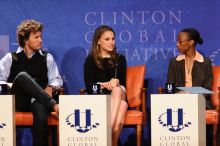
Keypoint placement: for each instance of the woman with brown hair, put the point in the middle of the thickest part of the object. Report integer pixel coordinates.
(107, 68)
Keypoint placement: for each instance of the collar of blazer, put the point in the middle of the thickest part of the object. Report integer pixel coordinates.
(198, 57)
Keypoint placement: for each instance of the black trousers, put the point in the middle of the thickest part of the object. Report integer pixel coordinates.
(209, 134)
(25, 88)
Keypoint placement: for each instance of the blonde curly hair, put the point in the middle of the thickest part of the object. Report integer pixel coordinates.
(25, 28)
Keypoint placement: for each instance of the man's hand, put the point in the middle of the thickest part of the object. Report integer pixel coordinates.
(49, 91)
(56, 108)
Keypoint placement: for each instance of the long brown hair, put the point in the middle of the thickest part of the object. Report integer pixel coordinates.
(95, 50)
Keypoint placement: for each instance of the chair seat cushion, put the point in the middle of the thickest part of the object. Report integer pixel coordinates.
(211, 117)
(133, 117)
(26, 118)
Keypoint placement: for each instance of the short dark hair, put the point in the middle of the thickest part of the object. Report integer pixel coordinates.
(25, 28)
(193, 34)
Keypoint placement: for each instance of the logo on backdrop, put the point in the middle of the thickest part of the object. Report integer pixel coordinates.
(214, 56)
(166, 120)
(2, 125)
(81, 121)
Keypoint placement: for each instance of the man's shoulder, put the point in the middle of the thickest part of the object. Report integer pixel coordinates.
(7, 56)
(45, 53)
(14, 56)
(48, 55)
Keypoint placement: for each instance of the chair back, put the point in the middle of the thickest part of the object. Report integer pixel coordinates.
(215, 85)
(134, 83)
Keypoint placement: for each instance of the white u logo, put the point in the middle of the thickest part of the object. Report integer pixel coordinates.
(169, 87)
(95, 88)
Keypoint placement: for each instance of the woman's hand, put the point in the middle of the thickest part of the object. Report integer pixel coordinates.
(110, 84)
(106, 85)
(114, 82)
(182, 92)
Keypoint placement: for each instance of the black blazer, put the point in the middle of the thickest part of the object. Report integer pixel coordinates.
(202, 75)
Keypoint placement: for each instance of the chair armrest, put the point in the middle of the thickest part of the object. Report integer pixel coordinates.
(82, 91)
(58, 92)
(61, 91)
(143, 104)
(160, 90)
(218, 107)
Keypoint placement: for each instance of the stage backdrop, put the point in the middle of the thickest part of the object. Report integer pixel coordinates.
(146, 31)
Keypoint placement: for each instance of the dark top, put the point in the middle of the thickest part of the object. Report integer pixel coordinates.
(202, 75)
(36, 67)
(93, 74)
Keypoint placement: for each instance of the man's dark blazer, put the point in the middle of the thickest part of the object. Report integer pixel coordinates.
(202, 75)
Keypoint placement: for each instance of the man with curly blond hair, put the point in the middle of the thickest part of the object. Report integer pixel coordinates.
(35, 78)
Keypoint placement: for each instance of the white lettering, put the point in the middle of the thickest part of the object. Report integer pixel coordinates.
(133, 17)
(142, 14)
(135, 55)
(129, 19)
(122, 36)
(87, 16)
(160, 16)
(174, 35)
(163, 54)
(173, 17)
(145, 54)
(114, 17)
(102, 18)
(88, 37)
(160, 36)
(143, 36)
(146, 50)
